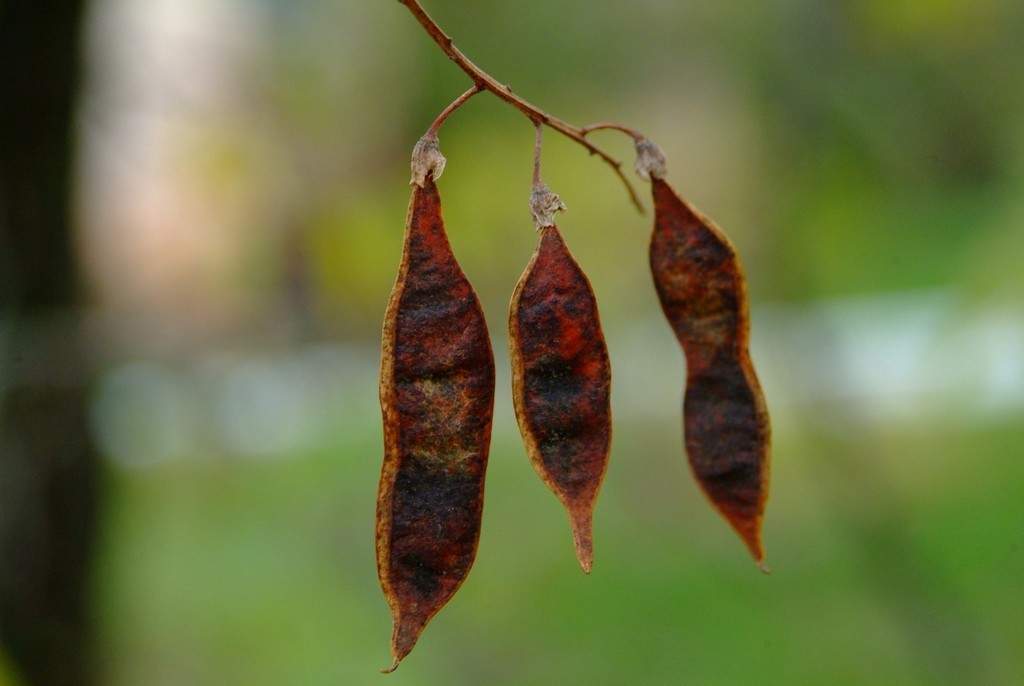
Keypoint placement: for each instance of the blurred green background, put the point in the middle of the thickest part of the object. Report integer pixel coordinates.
(242, 188)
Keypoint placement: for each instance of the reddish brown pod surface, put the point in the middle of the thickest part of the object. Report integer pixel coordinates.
(560, 382)
(703, 293)
(437, 398)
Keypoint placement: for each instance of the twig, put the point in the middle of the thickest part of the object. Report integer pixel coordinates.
(484, 81)
(456, 104)
(650, 159)
(536, 156)
(614, 126)
(426, 155)
(543, 203)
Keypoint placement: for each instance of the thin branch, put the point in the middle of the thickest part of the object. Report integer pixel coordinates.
(543, 203)
(426, 155)
(650, 159)
(536, 156)
(484, 81)
(614, 126)
(456, 104)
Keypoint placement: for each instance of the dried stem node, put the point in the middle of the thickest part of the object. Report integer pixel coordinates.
(426, 159)
(650, 160)
(544, 204)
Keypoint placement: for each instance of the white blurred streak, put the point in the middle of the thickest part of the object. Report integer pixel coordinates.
(260, 406)
(839, 365)
(143, 414)
(898, 358)
(989, 350)
(885, 360)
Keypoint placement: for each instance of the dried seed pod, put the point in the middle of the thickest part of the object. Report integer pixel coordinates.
(437, 399)
(561, 380)
(703, 293)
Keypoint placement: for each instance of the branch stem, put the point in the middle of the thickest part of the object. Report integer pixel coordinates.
(536, 156)
(485, 81)
(456, 104)
(614, 126)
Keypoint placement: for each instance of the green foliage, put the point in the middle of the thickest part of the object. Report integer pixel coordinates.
(263, 573)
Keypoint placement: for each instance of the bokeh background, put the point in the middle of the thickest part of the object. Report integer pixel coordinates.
(238, 201)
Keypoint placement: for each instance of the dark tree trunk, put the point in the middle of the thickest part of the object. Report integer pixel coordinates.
(48, 464)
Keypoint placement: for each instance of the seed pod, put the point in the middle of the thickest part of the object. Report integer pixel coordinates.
(560, 382)
(704, 296)
(437, 399)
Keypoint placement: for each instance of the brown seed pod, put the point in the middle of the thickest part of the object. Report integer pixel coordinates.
(703, 293)
(437, 399)
(560, 382)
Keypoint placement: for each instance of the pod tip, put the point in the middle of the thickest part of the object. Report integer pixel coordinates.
(583, 539)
